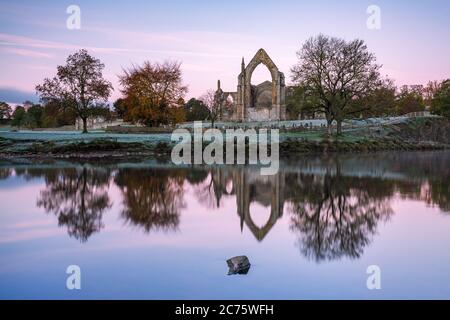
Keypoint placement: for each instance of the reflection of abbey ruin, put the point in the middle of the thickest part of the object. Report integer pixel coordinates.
(333, 205)
(333, 215)
(265, 101)
(248, 187)
(265, 190)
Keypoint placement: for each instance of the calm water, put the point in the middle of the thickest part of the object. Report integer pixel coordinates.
(148, 230)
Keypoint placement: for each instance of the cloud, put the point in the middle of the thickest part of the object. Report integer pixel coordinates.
(201, 43)
(15, 40)
(205, 55)
(17, 96)
(193, 43)
(28, 53)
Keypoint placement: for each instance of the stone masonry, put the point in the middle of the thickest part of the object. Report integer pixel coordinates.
(263, 102)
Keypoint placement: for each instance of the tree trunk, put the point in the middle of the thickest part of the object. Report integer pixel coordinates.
(329, 122)
(339, 127)
(84, 125)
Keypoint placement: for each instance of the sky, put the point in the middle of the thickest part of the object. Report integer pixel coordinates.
(210, 38)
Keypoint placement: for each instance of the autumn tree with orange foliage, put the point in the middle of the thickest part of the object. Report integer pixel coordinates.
(153, 93)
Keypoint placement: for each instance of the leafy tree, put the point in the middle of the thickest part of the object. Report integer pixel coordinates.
(151, 91)
(5, 111)
(429, 91)
(33, 118)
(410, 100)
(18, 117)
(102, 110)
(177, 114)
(55, 115)
(336, 71)
(120, 108)
(78, 85)
(379, 103)
(196, 110)
(440, 104)
(301, 103)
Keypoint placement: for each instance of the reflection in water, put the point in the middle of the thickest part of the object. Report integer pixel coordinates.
(438, 191)
(78, 197)
(212, 192)
(5, 173)
(334, 205)
(264, 190)
(247, 187)
(335, 216)
(152, 198)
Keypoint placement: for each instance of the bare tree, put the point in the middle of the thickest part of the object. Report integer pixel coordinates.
(336, 71)
(210, 100)
(78, 85)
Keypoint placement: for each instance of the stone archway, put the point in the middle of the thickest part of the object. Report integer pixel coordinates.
(277, 110)
(262, 57)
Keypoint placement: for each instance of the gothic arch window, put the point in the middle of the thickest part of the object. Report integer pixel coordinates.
(261, 57)
(261, 74)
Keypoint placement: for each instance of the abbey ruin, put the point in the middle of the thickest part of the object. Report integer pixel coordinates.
(263, 102)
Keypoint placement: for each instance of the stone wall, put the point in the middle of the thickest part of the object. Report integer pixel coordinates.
(261, 114)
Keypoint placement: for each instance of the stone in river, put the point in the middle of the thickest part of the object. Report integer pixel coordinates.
(238, 265)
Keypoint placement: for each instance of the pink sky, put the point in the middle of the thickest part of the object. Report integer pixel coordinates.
(210, 39)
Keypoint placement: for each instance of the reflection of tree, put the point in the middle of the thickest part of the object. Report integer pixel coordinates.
(434, 191)
(31, 173)
(440, 192)
(196, 176)
(335, 204)
(78, 197)
(151, 197)
(336, 215)
(212, 190)
(5, 173)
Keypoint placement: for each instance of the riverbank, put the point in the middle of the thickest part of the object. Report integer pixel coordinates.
(414, 134)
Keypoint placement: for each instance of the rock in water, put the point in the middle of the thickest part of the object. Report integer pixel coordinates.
(238, 265)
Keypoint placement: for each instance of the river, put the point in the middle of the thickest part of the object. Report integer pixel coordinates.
(152, 230)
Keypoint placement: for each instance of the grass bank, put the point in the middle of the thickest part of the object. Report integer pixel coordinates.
(414, 134)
